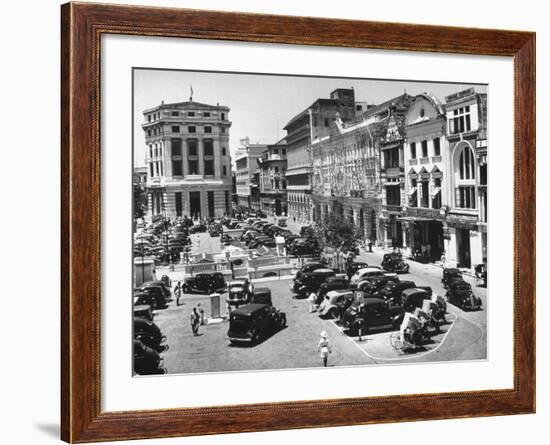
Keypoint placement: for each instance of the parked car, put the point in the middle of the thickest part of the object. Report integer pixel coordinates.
(146, 360)
(335, 303)
(302, 247)
(160, 284)
(143, 311)
(156, 297)
(261, 241)
(198, 228)
(460, 293)
(393, 262)
(310, 282)
(262, 295)
(392, 291)
(239, 292)
(253, 322)
(370, 315)
(353, 267)
(331, 284)
(367, 272)
(378, 282)
(310, 267)
(149, 334)
(413, 298)
(450, 274)
(205, 283)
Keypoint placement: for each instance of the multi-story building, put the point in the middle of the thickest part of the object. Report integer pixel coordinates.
(272, 179)
(310, 124)
(246, 165)
(389, 131)
(467, 185)
(426, 176)
(346, 173)
(188, 161)
(140, 175)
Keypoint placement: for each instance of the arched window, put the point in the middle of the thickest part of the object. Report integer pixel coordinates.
(465, 188)
(466, 164)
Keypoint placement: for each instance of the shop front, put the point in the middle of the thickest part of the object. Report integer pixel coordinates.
(424, 233)
(467, 243)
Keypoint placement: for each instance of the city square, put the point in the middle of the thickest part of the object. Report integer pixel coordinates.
(357, 238)
(296, 345)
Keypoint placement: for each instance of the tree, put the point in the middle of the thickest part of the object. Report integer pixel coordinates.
(335, 233)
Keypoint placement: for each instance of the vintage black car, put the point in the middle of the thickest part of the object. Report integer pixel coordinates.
(205, 283)
(391, 292)
(370, 315)
(310, 267)
(253, 322)
(413, 298)
(303, 247)
(393, 262)
(143, 311)
(290, 238)
(149, 334)
(310, 282)
(332, 283)
(450, 274)
(353, 267)
(262, 295)
(147, 361)
(198, 228)
(160, 284)
(460, 293)
(153, 296)
(261, 241)
(239, 292)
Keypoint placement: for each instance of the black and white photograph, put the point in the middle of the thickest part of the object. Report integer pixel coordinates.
(291, 222)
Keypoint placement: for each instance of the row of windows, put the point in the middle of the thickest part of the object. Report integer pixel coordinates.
(155, 131)
(424, 148)
(156, 116)
(192, 147)
(193, 129)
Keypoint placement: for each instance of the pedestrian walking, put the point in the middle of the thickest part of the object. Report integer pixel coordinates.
(312, 299)
(195, 321)
(324, 347)
(177, 292)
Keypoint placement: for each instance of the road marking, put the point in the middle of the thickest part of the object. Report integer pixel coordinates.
(375, 358)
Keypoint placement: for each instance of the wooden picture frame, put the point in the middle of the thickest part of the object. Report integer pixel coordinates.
(82, 26)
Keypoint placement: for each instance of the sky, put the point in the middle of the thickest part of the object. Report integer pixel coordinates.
(261, 104)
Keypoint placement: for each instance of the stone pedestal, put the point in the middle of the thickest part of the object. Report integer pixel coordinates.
(143, 270)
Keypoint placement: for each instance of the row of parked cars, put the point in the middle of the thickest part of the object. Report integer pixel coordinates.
(368, 298)
(163, 240)
(149, 343)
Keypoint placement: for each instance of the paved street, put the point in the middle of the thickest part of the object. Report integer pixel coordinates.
(463, 338)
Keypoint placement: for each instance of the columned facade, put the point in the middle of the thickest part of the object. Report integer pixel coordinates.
(467, 185)
(188, 161)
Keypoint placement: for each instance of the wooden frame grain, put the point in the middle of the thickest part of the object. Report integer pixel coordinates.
(81, 28)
